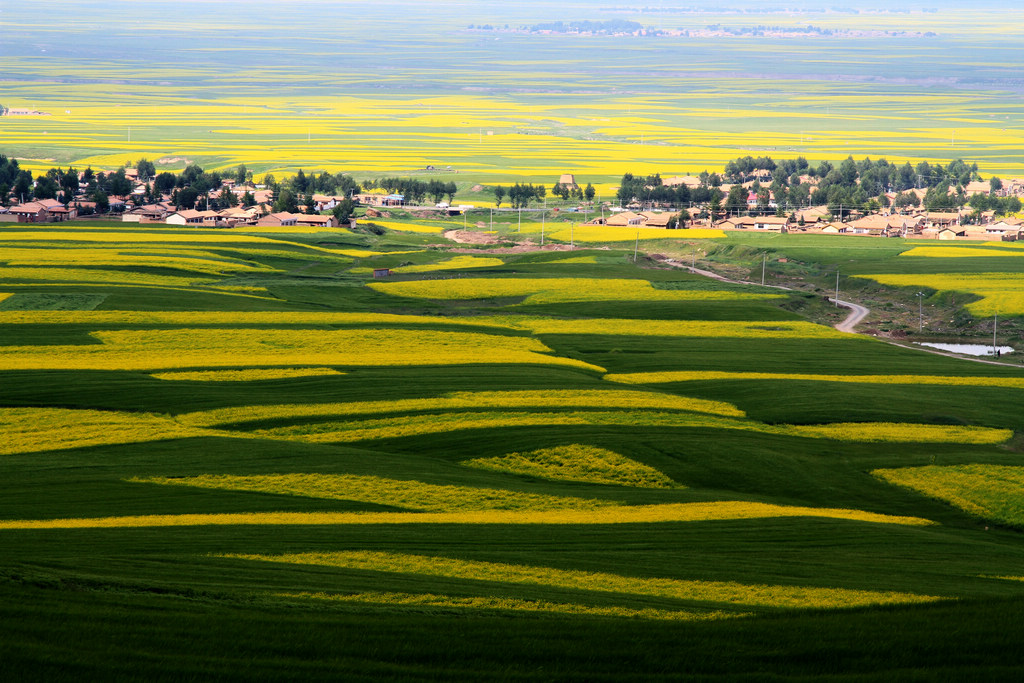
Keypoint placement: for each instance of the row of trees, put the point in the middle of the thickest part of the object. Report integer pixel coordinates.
(519, 195)
(850, 185)
(415, 191)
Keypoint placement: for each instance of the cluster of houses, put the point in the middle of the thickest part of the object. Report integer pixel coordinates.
(925, 225)
(133, 209)
(934, 225)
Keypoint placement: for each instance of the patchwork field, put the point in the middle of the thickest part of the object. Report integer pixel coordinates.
(249, 431)
(503, 105)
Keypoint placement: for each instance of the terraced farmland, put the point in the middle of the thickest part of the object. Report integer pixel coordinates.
(558, 462)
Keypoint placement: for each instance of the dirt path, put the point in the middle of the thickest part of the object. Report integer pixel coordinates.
(857, 313)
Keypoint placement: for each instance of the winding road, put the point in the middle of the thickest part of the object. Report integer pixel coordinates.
(857, 313)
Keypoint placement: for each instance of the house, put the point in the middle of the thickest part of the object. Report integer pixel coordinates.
(379, 273)
(31, 212)
(278, 219)
(185, 217)
(772, 223)
(950, 234)
(942, 220)
(736, 223)
(835, 228)
(315, 220)
(625, 218)
(150, 213)
(1003, 227)
(690, 181)
(372, 199)
(657, 219)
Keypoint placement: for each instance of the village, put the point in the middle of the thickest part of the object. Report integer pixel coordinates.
(760, 213)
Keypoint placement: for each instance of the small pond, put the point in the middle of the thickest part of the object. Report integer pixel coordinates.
(970, 349)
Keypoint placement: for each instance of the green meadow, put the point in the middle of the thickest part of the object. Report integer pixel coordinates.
(540, 466)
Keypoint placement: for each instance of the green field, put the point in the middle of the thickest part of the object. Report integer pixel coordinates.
(228, 457)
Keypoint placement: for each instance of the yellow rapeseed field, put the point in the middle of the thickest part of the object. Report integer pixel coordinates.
(412, 227)
(683, 328)
(704, 375)
(552, 290)
(30, 430)
(577, 462)
(246, 375)
(467, 400)
(988, 491)
(902, 432)
(401, 493)
(726, 592)
(1000, 292)
(613, 514)
(454, 263)
(981, 250)
(450, 602)
(602, 233)
(203, 348)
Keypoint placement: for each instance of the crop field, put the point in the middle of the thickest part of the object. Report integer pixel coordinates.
(539, 445)
(505, 105)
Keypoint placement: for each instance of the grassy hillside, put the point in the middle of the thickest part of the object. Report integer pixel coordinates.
(236, 456)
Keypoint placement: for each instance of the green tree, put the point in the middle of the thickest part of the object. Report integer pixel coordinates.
(344, 211)
(241, 174)
(146, 169)
(102, 201)
(286, 202)
(589, 192)
(450, 189)
(499, 195)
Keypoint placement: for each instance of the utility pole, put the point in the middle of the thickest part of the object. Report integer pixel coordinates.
(920, 311)
(572, 227)
(837, 289)
(995, 326)
(520, 228)
(764, 262)
(636, 246)
(542, 217)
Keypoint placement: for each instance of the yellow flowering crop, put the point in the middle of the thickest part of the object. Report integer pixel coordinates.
(960, 252)
(454, 263)
(30, 430)
(727, 592)
(901, 432)
(418, 425)
(602, 233)
(1000, 292)
(988, 491)
(94, 276)
(413, 495)
(468, 400)
(577, 462)
(703, 375)
(552, 290)
(412, 227)
(206, 348)
(612, 514)
(434, 602)
(247, 375)
(684, 328)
